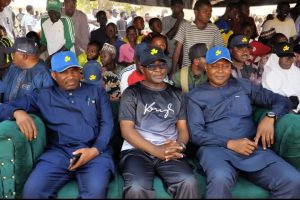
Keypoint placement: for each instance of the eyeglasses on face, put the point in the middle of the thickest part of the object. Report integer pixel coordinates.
(153, 66)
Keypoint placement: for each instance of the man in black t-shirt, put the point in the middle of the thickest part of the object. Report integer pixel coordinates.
(153, 123)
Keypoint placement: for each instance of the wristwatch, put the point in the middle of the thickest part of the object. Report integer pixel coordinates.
(271, 115)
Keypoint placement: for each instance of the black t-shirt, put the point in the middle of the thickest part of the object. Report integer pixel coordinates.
(154, 112)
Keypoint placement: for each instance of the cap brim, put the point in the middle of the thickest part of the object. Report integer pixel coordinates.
(67, 68)
(213, 61)
(243, 45)
(280, 55)
(91, 82)
(148, 63)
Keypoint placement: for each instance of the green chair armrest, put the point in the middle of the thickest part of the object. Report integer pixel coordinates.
(17, 156)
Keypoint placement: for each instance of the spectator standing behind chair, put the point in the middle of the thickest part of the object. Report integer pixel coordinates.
(28, 21)
(281, 75)
(19, 17)
(26, 74)
(171, 23)
(122, 24)
(99, 35)
(6, 19)
(240, 53)
(191, 77)
(153, 124)
(81, 26)
(219, 115)
(244, 9)
(199, 31)
(227, 22)
(57, 31)
(79, 121)
(282, 22)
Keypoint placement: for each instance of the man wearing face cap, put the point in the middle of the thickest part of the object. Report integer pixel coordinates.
(57, 31)
(27, 72)
(240, 52)
(79, 123)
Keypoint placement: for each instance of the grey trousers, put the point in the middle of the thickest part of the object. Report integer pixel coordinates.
(138, 170)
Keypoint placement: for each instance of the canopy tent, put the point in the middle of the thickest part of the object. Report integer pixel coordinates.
(216, 3)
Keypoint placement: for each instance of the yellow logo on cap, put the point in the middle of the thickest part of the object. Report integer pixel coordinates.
(286, 48)
(154, 51)
(218, 52)
(67, 58)
(92, 77)
(244, 39)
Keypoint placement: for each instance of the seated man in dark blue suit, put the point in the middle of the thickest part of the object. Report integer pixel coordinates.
(79, 122)
(220, 122)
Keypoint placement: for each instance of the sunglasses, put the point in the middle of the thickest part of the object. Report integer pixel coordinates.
(152, 67)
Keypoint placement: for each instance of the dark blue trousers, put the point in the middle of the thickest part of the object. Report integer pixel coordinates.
(280, 178)
(52, 173)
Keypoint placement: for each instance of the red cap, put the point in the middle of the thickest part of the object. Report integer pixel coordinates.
(259, 49)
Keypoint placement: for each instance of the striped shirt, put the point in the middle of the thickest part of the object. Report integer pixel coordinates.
(58, 34)
(188, 35)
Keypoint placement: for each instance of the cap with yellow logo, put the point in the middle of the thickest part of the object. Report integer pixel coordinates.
(92, 73)
(239, 41)
(217, 53)
(284, 49)
(63, 60)
(151, 54)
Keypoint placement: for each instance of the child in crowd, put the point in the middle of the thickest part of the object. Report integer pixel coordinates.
(92, 53)
(126, 54)
(156, 28)
(109, 71)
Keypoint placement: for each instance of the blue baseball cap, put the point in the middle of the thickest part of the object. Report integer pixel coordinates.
(152, 54)
(63, 60)
(217, 53)
(23, 45)
(239, 41)
(92, 73)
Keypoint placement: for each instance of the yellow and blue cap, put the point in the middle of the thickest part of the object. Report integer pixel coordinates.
(151, 54)
(92, 73)
(284, 49)
(63, 60)
(217, 53)
(239, 41)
